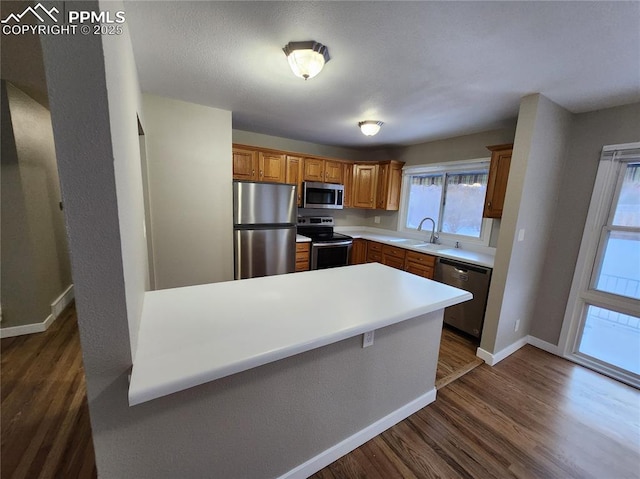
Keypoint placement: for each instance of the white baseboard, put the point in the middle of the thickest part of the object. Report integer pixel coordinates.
(545, 346)
(57, 307)
(62, 301)
(493, 359)
(335, 452)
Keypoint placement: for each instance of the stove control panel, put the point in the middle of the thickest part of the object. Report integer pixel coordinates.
(315, 220)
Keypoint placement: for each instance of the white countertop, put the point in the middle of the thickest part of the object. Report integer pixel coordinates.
(466, 255)
(192, 335)
(302, 239)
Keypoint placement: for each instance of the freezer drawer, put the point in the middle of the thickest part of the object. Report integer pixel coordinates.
(264, 251)
(467, 316)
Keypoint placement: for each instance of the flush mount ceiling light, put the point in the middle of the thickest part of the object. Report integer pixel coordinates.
(370, 127)
(306, 59)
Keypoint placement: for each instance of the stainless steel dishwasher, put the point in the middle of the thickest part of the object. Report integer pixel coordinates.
(467, 316)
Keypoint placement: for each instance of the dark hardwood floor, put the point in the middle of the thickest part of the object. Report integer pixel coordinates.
(45, 419)
(456, 358)
(531, 416)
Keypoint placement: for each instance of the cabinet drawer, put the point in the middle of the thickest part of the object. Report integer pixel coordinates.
(373, 257)
(302, 265)
(419, 269)
(375, 247)
(302, 247)
(394, 262)
(393, 251)
(420, 258)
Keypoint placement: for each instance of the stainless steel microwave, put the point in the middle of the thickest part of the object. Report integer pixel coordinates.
(322, 195)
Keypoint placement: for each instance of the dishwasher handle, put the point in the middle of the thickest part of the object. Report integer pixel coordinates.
(463, 267)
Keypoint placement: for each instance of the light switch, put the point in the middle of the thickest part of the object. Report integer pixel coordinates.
(521, 235)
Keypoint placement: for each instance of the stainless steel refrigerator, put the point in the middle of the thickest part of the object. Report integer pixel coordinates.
(264, 228)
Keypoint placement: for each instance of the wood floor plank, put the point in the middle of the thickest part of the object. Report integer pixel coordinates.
(46, 431)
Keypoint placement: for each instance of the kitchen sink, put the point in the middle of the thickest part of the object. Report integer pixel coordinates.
(408, 242)
(431, 247)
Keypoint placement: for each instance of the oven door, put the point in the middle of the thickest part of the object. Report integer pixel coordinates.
(330, 255)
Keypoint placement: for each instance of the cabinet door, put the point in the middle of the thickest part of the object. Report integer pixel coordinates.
(293, 174)
(389, 184)
(394, 184)
(497, 182)
(245, 164)
(333, 171)
(381, 192)
(358, 251)
(272, 167)
(365, 182)
(348, 185)
(374, 252)
(313, 169)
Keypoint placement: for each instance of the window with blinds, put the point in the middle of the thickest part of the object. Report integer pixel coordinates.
(452, 195)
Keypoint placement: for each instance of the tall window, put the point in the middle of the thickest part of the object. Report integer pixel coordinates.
(605, 320)
(451, 194)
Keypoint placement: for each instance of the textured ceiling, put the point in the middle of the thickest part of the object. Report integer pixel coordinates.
(428, 70)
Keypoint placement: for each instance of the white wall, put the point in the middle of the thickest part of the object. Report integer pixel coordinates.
(190, 183)
(35, 259)
(532, 192)
(125, 106)
(589, 133)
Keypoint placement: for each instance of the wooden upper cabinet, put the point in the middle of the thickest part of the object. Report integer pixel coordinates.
(313, 169)
(333, 171)
(347, 200)
(272, 167)
(245, 164)
(389, 184)
(497, 182)
(293, 174)
(365, 183)
(324, 171)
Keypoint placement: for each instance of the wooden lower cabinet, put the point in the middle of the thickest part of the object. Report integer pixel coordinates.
(420, 264)
(302, 256)
(358, 251)
(394, 257)
(374, 252)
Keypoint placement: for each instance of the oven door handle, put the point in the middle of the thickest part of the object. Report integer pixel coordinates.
(328, 245)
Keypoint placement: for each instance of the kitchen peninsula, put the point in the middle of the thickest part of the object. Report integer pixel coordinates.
(288, 350)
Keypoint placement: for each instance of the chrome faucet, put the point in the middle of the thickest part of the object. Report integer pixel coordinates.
(434, 237)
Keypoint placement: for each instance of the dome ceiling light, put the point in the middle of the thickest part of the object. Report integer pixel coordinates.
(306, 59)
(370, 127)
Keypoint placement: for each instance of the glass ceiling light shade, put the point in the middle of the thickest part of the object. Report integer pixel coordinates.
(370, 127)
(306, 59)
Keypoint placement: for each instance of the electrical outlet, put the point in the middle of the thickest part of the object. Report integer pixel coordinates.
(367, 339)
(517, 325)
(376, 220)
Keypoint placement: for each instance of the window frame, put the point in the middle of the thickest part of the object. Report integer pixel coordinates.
(443, 168)
(583, 294)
